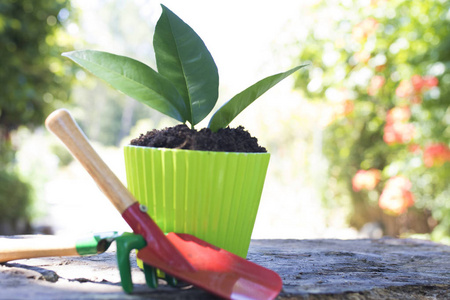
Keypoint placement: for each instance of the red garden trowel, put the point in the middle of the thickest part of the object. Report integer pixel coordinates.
(180, 255)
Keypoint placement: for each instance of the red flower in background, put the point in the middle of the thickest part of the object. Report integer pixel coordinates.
(417, 83)
(398, 114)
(398, 133)
(436, 155)
(397, 128)
(341, 105)
(346, 107)
(376, 83)
(362, 56)
(430, 81)
(414, 148)
(412, 89)
(366, 179)
(396, 196)
(364, 29)
(405, 89)
(421, 84)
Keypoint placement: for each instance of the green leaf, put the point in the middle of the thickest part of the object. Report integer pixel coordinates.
(238, 103)
(182, 57)
(134, 79)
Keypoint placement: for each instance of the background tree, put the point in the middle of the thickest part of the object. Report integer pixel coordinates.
(33, 77)
(383, 68)
(32, 84)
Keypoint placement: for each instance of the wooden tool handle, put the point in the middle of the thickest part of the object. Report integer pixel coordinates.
(61, 123)
(26, 247)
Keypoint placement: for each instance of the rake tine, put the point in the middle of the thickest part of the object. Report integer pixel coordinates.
(126, 243)
(172, 281)
(151, 277)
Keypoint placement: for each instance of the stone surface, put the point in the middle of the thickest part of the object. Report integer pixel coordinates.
(310, 269)
(358, 269)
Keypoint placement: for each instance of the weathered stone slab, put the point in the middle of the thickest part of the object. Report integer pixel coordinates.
(357, 269)
(310, 269)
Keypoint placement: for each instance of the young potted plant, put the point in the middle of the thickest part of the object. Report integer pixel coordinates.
(187, 181)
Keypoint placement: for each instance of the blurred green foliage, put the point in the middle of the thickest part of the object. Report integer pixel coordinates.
(383, 67)
(14, 200)
(105, 115)
(33, 82)
(32, 78)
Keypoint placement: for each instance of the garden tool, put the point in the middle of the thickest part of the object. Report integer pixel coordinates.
(180, 255)
(33, 246)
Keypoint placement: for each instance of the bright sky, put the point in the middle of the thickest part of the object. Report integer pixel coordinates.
(241, 35)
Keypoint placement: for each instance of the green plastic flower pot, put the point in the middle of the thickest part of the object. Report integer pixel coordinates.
(212, 195)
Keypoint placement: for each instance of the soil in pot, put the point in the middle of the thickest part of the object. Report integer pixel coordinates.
(182, 137)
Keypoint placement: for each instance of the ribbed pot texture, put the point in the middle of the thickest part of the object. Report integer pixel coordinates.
(212, 195)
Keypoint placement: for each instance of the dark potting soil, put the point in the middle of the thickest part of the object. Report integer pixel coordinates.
(182, 137)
